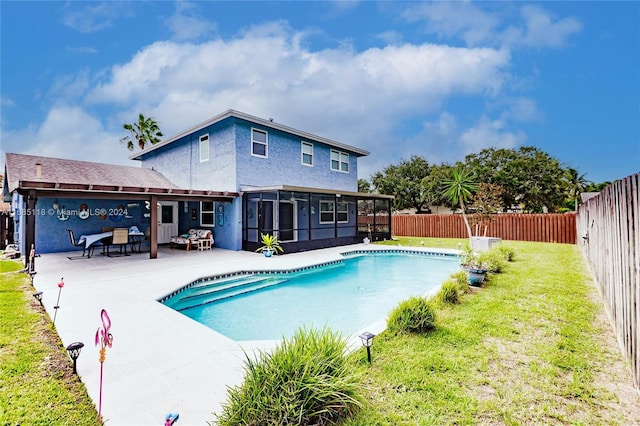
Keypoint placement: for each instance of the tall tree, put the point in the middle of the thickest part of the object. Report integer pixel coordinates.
(530, 177)
(459, 189)
(144, 132)
(404, 182)
(432, 185)
(576, 184)
(364, 185)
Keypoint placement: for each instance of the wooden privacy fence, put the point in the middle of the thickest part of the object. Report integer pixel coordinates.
(609, 231)
(550, 228)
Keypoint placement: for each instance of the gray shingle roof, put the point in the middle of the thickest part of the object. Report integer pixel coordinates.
(57, 170)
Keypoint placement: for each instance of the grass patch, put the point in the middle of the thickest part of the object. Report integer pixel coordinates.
(37, 383)
(525, 349)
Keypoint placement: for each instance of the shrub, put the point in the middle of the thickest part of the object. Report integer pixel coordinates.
(448, 292)
(507, 252)
(303, 381)
(493, 261)
(415, 315)
(460, 278)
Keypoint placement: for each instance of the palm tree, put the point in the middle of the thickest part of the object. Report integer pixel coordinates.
(145, 131)
(458, 191)
(576, 184)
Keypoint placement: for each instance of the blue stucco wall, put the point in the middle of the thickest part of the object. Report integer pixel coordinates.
(51, 232)
(283, 166)
(225, 233)
(180, 162)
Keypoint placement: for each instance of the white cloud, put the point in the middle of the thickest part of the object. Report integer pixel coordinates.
(267, 71)
(490, 134)
(484, 24)
(68, 132)
(187, 25)
(521, 109)
(542, 31)
(455, 19)
(390, 37)
(93, 16)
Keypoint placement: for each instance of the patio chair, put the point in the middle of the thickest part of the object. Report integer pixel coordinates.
(88, 251)
(120, 238)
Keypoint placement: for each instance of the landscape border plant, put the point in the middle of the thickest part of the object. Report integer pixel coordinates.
(306, 380)
(413, 315)
(449, 292)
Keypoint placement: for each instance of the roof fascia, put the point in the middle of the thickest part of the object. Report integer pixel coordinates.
(291, 188)
(255, 120)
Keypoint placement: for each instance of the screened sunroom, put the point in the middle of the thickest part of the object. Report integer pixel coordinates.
(310, 218)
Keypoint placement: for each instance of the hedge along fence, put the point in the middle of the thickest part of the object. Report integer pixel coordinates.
(549, 228)
(609, 230)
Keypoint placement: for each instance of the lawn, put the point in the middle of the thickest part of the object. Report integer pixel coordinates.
(532, 346)
(37, 386)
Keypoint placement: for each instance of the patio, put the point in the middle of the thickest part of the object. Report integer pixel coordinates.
(161, 361)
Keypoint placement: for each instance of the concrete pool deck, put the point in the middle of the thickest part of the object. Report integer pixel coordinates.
(161, 361)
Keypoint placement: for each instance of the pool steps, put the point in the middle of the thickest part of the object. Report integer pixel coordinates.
(215, 291)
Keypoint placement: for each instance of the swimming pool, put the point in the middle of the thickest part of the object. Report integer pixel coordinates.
(345, 295)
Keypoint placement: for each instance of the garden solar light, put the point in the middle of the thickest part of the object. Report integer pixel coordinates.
(38, 297)
(367, 342)
(74, 352)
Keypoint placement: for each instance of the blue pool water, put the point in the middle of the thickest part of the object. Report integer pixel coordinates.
(346, 296)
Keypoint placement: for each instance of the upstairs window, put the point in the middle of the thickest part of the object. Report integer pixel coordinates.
(339, 161)
(307, 153)
(204, 148)
(258, 143)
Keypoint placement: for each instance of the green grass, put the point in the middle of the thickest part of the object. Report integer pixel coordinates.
(37, 386)
(524, 349)
(451, 243)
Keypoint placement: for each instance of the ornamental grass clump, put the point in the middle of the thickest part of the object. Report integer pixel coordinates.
(461, 280)
(508, 253)
(414, 315)
(449, 292)
(304, 381)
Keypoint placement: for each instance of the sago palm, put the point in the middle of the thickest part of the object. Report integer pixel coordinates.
(458, 191)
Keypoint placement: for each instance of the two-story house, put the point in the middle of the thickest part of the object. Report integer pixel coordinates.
(236, 174)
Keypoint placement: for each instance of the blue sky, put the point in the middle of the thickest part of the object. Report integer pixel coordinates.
(440, 80)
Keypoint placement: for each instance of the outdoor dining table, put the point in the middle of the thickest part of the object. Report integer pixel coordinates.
(90, 239)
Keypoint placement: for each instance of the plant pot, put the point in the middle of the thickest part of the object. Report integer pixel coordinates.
(476, 276)
(267, 252)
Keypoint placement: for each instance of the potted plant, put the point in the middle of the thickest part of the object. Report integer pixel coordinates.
(270, 245)
(475, 267)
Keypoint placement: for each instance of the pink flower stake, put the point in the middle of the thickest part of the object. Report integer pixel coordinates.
(60, 285)
(105, 339)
